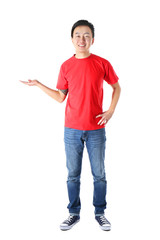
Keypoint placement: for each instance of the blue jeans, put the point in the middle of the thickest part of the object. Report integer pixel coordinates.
(74, 144)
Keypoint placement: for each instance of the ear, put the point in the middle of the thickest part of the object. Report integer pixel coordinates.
(72, 39)
(92, 40)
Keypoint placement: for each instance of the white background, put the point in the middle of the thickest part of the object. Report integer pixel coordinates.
(35, 40)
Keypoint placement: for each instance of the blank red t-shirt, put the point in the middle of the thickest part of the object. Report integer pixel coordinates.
(84, 80)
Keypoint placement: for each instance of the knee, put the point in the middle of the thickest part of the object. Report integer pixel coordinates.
(99, 176)
(99, 179)
(74, 176)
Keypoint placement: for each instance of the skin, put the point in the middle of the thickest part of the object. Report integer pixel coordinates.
(82, 41)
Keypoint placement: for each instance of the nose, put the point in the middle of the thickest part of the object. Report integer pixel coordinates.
(82, 38)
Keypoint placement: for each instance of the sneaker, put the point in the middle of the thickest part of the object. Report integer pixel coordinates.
(69, 222)
(103, 223)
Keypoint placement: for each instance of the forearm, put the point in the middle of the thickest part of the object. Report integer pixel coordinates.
(50, 92)
(115, 98)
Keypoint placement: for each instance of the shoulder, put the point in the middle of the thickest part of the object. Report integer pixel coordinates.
(103, 63)
(100, 59)
(68, 61)
(67, 64)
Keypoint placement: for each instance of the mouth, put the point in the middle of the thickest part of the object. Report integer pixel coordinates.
(82, 45)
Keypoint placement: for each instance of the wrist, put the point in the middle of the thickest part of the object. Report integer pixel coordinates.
(38, 84)
(111, 110)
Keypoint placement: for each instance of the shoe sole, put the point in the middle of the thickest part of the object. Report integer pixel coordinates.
(63, 228)
(106, 228)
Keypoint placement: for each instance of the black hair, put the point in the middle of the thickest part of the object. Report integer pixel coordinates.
(83, 23)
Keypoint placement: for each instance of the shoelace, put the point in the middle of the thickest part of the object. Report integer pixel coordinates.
(69, 219)
(103, 220)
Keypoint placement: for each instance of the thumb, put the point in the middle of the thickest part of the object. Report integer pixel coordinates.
(100, 115)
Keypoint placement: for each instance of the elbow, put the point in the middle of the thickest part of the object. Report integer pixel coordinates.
(61, 97)
(61, 100)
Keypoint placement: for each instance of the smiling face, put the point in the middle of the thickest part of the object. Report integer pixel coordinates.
(82, 40)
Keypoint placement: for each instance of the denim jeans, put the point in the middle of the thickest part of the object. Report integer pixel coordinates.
(74, 144)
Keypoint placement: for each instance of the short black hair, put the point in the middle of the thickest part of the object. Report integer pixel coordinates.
(83, 23)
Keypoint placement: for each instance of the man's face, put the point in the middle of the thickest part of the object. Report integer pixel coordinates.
(82, 39)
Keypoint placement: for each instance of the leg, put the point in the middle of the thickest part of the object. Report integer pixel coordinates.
(74, 151)
(96, 143)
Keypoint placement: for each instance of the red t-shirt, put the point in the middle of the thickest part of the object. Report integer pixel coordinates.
(83, 78)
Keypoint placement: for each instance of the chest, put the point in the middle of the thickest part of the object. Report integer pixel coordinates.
(85, 75)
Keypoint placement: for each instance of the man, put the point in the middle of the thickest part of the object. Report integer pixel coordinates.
(81, 77)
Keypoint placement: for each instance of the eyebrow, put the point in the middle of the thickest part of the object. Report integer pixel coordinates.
(84, 33)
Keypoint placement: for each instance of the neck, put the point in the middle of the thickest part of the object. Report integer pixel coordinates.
(82, 55)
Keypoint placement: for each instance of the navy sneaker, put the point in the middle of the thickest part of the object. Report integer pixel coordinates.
(69, 222)
(103, 223)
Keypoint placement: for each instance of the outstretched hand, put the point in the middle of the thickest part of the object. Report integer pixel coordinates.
(30, 82)
(104, 117)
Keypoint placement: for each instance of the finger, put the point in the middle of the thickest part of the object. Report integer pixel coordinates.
(24, 82)
(105, 121)
(100, 122)
(99, 116)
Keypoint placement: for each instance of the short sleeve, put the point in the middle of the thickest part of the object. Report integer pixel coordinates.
(110, 75)
(62, 83)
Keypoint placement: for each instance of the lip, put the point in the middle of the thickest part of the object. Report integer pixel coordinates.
(81, 45)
